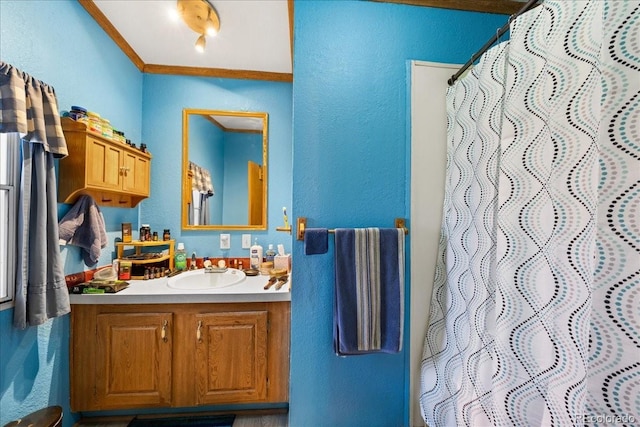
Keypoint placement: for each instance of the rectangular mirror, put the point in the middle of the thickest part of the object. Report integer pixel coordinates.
(224, 170)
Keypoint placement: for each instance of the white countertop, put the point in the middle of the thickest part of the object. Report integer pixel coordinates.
(156, 291)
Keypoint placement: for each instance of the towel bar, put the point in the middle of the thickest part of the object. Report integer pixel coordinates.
(302, 224)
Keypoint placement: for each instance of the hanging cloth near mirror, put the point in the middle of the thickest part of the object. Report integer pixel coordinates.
(201, 190)
(201, 179)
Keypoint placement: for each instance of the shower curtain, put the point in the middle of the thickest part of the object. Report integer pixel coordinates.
(535, 308)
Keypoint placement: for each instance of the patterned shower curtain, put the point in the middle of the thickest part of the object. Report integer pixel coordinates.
(535, 309)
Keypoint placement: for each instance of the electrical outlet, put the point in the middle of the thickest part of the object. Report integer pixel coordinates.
(246, 241)
(225, 241)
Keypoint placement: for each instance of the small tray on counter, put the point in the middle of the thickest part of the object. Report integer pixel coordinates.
(99, 287)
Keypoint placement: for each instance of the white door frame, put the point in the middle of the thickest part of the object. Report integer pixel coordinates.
(428, 162)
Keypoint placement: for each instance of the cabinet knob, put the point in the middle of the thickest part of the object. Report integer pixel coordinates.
(163, 334)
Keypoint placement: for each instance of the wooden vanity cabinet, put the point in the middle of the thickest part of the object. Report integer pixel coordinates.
(114, 174)
(179, 355)
(133, 359)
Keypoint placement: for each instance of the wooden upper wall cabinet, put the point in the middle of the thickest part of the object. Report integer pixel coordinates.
(112, 173)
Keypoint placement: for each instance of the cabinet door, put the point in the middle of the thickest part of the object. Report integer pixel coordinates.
(136, 174)
(133, 360)
(231, 357)
(103, 165)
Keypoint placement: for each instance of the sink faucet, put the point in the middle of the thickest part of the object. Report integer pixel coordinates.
(210, 268)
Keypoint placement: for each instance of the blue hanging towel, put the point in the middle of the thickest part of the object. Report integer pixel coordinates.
(316, 241)
(369, 290)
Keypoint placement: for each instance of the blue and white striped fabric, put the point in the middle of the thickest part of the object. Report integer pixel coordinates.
(369, 290)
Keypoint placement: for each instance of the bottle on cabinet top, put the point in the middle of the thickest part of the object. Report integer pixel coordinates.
(255, 255)
(180, 258)
(270, 254)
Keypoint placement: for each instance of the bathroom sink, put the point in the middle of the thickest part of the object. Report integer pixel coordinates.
(198, 279)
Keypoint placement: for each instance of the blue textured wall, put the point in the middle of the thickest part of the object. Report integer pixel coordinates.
(240, 147)
(163, 101)
(206, 149)
(351, 169)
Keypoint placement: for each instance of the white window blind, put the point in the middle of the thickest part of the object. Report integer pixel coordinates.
(9, 156)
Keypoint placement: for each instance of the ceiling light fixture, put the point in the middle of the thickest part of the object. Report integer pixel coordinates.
(201, 17)
(201, 43)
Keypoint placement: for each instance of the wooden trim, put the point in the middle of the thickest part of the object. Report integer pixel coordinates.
(218, 72)
(291, 21)
(505, 7)
(111, 31)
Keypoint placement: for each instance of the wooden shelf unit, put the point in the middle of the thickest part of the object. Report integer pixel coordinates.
(138, 245)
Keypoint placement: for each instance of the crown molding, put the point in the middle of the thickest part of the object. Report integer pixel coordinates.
(505, 7)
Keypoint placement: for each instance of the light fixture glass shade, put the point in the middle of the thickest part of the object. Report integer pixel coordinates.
(210, 28)
(201, 43)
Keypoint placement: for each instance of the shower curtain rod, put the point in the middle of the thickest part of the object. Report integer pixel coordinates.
(530, 4)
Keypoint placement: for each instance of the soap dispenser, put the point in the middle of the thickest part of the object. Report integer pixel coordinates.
(255, 255)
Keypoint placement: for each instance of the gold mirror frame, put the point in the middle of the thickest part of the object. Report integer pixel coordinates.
(186, 185)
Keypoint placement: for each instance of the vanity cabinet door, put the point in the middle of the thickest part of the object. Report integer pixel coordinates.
(135, 174)
(133, 359)
(231, 357)
(103, 164)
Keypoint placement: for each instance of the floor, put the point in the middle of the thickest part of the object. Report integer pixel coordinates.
(279, 420)
(276, 420)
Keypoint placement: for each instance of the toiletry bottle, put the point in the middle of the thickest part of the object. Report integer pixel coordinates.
(255, 255)
(270, 254)
(180, 258)
(192, 265)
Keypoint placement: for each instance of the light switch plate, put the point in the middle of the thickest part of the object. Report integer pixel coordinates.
(246, 241)
(225, 241)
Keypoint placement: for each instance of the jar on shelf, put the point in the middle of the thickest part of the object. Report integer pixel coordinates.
(118, 136)
(107, 129)
(145, 233)
(94, 122)
(166, 235)
(78, 114)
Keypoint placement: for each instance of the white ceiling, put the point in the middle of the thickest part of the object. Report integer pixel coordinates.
(254, 34)
(239, 122)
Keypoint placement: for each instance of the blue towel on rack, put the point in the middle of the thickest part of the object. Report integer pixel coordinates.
(316, 241)
(369, 290)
